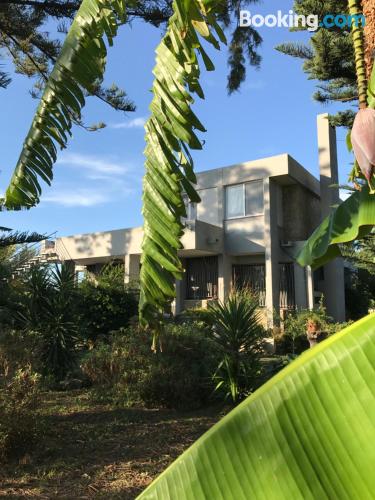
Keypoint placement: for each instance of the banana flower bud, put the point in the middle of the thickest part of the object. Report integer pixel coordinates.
(363, 141)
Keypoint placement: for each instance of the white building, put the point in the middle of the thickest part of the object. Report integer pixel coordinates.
(251, 219)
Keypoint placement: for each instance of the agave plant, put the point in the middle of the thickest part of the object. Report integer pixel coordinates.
(307, 433)
(46, 308)
(237, 331)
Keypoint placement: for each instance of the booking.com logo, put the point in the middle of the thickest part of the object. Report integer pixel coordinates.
(293, 20)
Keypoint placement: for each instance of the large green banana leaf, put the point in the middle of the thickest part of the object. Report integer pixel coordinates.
(170, 134)
(308, 433)
(351, 220)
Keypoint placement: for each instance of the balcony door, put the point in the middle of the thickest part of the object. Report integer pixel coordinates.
(202, 278)
(254, 277)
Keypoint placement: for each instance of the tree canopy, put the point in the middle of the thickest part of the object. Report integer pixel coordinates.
(329, 59)
(26, 40)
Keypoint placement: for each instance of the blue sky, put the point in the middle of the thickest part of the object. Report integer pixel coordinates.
(98, 178)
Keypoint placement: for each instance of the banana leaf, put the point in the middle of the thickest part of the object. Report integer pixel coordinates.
(351, 220)
(308, 433)
(78, 69)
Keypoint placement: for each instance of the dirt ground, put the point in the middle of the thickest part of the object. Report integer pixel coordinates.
(95, 451)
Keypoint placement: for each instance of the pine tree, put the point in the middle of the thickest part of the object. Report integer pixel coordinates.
(25, 40)
(328, 58)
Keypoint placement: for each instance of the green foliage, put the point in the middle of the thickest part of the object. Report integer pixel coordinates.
(19, 420)
(28, 43)
(361, 254)
(16, 351)
(79, 66)
(10, 238)
(245, 42)
(328, 58)
(170, 132)
(293, 339)
(359, 293)
(47, 311)
(237, 333)
(105, 304)
(351, 220)
(128, 372)
(297, 436)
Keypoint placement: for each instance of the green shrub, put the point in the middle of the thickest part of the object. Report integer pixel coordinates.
(19, 418)
(16, 351)
(178, 376)
(105, 305)
(46, 313)
(293, 338)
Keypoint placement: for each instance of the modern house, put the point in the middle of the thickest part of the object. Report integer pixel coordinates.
(252, 218)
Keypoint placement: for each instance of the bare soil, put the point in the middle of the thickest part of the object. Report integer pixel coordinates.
(92, 450)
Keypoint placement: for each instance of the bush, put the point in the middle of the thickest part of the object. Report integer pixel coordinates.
(19, 419)
(105, 305)
(293, 339)
(16, 351)
(46, 314)
(179, 376)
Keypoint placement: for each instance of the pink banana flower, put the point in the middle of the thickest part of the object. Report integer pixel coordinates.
(363, 141)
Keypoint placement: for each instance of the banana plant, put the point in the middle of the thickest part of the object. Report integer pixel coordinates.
(308, 433)
(80, 65)
(170, 132)
(355, 217)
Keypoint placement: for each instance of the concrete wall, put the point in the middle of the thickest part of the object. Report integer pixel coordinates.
(244, 235)
(95, 246)
(301, 212)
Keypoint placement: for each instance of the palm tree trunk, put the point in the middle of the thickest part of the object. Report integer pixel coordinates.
(355, 9)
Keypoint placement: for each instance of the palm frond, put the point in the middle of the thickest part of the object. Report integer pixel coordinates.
(170, 132)
(8, 239)
(81, 63)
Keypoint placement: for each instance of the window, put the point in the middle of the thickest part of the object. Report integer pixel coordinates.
(235, 201)
(244, 200)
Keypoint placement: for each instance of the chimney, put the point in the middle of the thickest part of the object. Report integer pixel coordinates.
(334, 284)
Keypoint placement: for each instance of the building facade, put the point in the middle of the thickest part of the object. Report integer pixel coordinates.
(251, 220)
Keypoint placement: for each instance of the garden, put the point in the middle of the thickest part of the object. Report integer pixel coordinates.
(106, 394)
(88, 408)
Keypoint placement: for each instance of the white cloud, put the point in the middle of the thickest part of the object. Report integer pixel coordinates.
(97, 180)
(134, 123)
(77, 197)
(93, 164)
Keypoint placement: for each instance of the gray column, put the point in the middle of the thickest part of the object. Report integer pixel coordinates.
(225, 276)
(300, 287)
(127, 269)
(271, 244)
(310, 288)
(178, 303)
(334, 285)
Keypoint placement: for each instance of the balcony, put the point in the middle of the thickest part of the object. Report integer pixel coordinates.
(202, 238)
